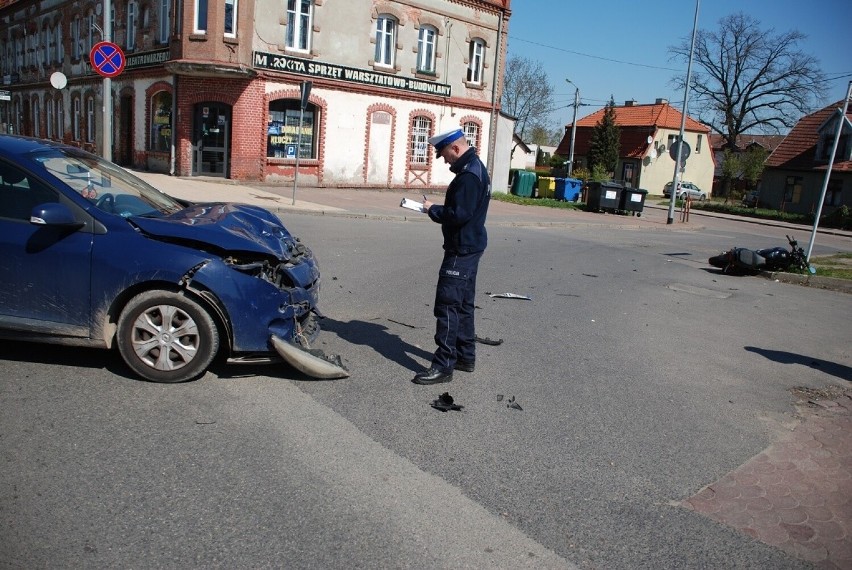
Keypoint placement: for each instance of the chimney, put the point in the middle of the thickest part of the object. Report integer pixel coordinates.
(661, 101)
(630, 103)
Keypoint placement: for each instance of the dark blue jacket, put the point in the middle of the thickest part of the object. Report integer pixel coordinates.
(462, 217)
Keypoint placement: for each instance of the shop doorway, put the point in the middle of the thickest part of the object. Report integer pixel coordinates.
(211, 139)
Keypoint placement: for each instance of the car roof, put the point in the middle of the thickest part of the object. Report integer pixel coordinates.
(16, 145)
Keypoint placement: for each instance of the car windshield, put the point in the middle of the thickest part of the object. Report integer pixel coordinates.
(107, 186)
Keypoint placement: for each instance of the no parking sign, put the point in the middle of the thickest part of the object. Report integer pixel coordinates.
(107, 59)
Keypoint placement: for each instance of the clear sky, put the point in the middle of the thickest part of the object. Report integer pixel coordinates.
(620, 47)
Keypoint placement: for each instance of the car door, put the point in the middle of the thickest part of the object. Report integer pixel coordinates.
(45, 271)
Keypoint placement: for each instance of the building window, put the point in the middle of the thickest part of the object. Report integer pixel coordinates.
(36, 119)
(476, 61)
(200, 25)
(90, 119)
(698, 145)
(420, 129)
(834, 193)
(165, 21)
(231, 18)
(51, 114)
(385, 40)
(793, 190)
(161, 122)
(131, 25)
(282, 131)
(90, 33)
(426, 49)
(471, 133)
(75, 39)
(112, 23)
(60, 50)
(298, 24)
(75, 119)
(60, 119)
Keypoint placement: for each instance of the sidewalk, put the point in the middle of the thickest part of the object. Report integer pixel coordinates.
(384, 204)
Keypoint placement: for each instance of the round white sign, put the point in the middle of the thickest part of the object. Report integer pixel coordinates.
(58, 80)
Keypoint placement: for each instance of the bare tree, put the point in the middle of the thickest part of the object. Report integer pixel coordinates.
(527, 95)
(749, 78)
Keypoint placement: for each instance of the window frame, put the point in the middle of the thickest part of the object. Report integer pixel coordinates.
(421, 130)
(75, 118)
(476, 61)
(427, 48)
(286, 113)
(385, 36)
(164, 21)
(90, 119)
(232, 21)
(199, 20)
(297, 36)
(132, 24)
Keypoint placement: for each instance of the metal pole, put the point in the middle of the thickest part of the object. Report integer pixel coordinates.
(840, 124)
(298, 152)
(107, 86)
(573, 131)
(675, 179)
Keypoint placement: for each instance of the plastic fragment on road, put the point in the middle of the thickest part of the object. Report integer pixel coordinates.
(507, 296)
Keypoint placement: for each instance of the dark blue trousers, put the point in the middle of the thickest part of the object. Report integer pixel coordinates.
(454, 304)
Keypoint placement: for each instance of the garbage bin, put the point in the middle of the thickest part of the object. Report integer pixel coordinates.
(603, 196)
(632, 201)
(546, 187)
(568, 189)
(522, 183)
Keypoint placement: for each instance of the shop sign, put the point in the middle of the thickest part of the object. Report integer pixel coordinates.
(313, 68)
(147, 59)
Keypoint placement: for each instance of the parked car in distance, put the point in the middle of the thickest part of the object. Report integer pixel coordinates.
(750, 199)
(90, 255)
(689, 188)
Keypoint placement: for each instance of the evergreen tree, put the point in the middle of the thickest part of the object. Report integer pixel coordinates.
(606, 141)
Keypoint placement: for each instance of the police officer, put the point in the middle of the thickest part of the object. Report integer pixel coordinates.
(462, 219)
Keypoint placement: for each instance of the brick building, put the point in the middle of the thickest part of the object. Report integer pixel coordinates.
(212, 87)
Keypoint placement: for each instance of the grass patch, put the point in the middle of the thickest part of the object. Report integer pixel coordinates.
(546, 202)
(838, 265)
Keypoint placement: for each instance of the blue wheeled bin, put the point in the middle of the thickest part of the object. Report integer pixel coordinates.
(603, 197)
(570, 190)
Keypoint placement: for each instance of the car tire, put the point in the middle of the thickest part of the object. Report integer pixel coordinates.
(702, 197)
(191, 339)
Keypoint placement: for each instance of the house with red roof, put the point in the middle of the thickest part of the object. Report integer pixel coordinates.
(647, 133)
(795, 171)
(744, 142)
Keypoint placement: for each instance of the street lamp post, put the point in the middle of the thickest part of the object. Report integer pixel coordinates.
(573, 128)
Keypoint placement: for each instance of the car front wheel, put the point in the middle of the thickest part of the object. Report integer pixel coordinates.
(166, 337)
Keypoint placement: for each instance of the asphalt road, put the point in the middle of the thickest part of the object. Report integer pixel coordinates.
(642, 374)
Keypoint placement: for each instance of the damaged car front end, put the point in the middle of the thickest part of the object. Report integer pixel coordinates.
(171, 284)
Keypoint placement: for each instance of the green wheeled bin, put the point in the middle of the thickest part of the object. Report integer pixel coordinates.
(522, 183)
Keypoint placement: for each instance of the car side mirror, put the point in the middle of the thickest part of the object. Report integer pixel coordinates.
(54, 214)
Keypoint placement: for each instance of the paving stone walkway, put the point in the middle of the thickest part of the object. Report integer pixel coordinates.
(797, 494)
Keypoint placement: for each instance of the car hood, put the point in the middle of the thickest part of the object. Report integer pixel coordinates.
(230, 227)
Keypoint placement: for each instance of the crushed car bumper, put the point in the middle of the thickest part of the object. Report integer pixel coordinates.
(312, 363)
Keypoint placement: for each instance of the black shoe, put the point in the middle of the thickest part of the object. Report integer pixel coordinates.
(432, 376)
(464, 365)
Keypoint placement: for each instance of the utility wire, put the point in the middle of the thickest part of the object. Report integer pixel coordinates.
(594, 56)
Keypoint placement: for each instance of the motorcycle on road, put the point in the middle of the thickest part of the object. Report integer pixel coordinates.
(743, 261)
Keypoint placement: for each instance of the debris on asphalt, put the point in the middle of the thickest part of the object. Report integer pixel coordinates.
(507, 296)
(499, 397)
(445, 403)
(513, 404)
(405, 324)
(490, 341)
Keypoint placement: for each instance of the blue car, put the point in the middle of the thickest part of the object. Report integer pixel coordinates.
(91, 255)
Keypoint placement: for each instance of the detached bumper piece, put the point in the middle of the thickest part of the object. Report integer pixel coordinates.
(310, 362)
